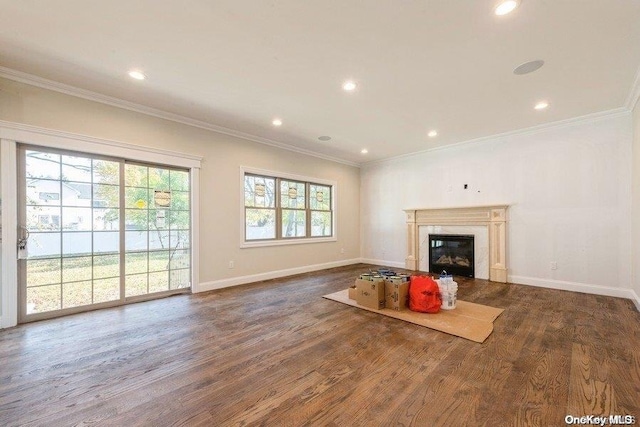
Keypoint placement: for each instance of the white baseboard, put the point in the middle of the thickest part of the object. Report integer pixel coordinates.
(243, 280)
(6, 322)
(577, 287)
(636, 299)
(522, 280)
(382, 262)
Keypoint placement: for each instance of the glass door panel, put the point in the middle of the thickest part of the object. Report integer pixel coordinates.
(157, 230)
(66, 219)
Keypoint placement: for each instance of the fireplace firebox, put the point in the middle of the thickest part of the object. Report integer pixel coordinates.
(451, 252)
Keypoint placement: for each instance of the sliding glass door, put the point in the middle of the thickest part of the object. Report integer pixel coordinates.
(99, 232)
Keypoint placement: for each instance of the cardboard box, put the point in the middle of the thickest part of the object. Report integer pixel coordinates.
(370, 294)
(353, 292)
(396, 294)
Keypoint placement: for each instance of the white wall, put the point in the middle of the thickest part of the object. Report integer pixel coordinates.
(635, 215)
(220, 195)
(569, 188)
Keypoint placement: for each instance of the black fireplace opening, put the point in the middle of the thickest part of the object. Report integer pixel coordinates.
(451, 252)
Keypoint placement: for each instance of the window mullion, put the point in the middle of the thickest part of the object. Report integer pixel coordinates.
(307, 204)
(122, 222)
(278, 207)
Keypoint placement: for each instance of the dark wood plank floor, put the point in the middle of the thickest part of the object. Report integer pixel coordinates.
(276, 353)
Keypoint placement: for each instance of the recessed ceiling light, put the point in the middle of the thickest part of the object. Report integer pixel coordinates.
(432, 133)
(541, 105)
(364, 151)
(324, 138)
(528, 67)
(138, 75)
(505, 7)
(349, 86)
(276, 122)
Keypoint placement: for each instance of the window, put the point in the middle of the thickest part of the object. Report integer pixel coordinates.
(286, 209)
(259, 207)
(293, 203)
(320, 207)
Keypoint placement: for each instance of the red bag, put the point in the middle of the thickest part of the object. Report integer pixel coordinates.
(424, 295)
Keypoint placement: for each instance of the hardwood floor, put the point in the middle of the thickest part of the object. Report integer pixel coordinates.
(276, 353)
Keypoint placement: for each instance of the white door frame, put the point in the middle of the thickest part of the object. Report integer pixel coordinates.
(12, 133)
(9, 197)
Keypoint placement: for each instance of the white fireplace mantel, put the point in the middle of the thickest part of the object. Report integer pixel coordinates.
(494, 217)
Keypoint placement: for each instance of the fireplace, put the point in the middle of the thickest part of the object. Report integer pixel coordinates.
(493, 218)
(451, 252)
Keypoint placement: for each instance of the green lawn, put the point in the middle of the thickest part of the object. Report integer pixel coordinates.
(57, 283)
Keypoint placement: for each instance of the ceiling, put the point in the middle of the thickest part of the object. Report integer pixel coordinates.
(419, 65)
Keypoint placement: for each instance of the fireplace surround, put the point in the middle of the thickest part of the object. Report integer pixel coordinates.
(493, 217)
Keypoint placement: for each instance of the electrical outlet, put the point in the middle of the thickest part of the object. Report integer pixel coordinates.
(554, 265)
(342, 250)
(231, 264)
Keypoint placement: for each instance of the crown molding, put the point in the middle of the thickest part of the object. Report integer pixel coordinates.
(43, 83)
(622, 111)
(91, 139)
(634, 93)
(30, 79)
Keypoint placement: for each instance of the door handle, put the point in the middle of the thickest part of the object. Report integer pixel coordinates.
(22, 242)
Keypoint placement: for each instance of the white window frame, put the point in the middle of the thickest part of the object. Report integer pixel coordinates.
(289, 241)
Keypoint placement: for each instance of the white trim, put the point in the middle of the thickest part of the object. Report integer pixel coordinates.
(282, 242)
(526, 131)
(9, 194)
(634, 93)
(243, 280)
(573, 286)
(43, 83)
(293, 177)
(636, 299)
(285, 242)
(88, 144)
(382, 262)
